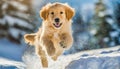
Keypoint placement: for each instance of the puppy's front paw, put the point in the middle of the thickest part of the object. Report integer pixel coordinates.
(62, 44)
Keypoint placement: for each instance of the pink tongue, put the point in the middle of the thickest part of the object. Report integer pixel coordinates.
(57, 24)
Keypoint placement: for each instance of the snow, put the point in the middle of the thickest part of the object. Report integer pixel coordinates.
(107, 58)
(21, 14)
(4, 6)
(7, 63)
(13, 20)
(19, 6)
(110, 21)
(16, 32)
(114, 34)
(95, 63)
(106, 39)
(93, 31)
(94, 59)
(109, 11)
(101, 14)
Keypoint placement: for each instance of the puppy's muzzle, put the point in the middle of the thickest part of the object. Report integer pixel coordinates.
(57, 23)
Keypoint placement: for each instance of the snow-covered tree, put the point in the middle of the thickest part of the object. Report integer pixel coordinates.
(16, 18)
(102, 26)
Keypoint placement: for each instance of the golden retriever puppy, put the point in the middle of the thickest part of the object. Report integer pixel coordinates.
(55, 34)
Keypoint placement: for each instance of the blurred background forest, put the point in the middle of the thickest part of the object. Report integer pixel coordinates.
(96, 24)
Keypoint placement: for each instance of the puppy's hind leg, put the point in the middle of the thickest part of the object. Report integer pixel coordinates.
(42, 56)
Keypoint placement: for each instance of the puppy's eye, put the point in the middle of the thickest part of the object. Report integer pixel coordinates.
(61, 12)
(52, 13)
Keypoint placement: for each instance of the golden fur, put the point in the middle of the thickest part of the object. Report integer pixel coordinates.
(52, 39)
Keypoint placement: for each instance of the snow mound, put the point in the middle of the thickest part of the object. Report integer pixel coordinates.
(8, 63)
(96, 63)
(108, 58)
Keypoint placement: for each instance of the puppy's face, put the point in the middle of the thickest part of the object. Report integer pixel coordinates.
(57, 14)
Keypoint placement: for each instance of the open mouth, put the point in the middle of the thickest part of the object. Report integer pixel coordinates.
(57, 25)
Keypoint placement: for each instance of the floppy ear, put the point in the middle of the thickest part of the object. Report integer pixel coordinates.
(69, 12)
(29, 38)
(44, 11)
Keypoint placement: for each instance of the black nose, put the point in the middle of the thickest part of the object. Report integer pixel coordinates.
(57, 19)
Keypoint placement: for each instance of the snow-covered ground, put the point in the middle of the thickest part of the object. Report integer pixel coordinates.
(108, 58)
(10, 64)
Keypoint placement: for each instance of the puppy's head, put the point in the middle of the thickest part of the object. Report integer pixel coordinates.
(57, 14)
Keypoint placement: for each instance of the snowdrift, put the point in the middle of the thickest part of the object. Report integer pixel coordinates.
(108, 58)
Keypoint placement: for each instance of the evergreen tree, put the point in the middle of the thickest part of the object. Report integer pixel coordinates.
(16, 18)
(101, 26)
